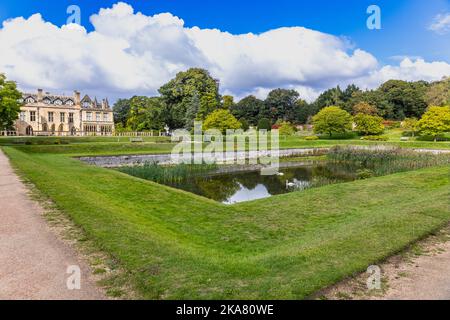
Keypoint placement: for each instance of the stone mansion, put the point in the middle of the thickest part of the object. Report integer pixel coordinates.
(44, 114)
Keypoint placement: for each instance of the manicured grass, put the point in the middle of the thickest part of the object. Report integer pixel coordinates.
(126, 148)
(177, 245)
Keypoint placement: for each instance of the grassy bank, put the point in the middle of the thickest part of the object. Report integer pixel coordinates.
(89, 148)
(178, 245)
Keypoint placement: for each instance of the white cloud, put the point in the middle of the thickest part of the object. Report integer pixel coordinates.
(441, 24)
(130, 53)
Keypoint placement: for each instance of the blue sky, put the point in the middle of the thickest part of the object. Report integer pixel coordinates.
(404, 22)
(136, 54)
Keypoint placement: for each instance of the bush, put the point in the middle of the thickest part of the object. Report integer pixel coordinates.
(264, 124)
(391, 124)
(221, 120)
(435, 122)
(311, 138)
(369, 125)
(375, 138)
(332, 120)
(286, 129)
(365, 174)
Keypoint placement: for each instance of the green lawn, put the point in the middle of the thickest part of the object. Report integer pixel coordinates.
(91, 147)
(177, 245)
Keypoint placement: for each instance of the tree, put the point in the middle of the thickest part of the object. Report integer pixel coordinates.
(228, 102)
(286, 129)
(364, 108)
(406, 99)
(9, 103)
(332, 120)
(122, 111)
(192, 111)
(369, 125)
(281, 104)
(177, 94)
(146, 114)
(304, 111)
(410, 124)
(244, 124)
(264, 124)
(221, 120)
(435, 122)
(248, 108)
(438, 94)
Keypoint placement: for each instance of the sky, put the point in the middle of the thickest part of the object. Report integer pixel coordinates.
(133, 47)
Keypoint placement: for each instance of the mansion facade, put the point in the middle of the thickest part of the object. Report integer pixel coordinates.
(44, 114)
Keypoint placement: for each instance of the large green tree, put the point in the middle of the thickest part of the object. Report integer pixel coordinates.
(435, 122)
(178, 93)
(332, 120)
(146, 114)
(9, 103)
(221, 120)
(121, 110)
(367, 124)
(249, 109)
(280, 104)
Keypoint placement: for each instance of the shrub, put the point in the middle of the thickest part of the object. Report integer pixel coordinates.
(364, 174)
(332, 120)
(264, 124)
(311, 138)
(369, 125)
(221, 120)
(375, 138)
(435, 122)
(286, 129)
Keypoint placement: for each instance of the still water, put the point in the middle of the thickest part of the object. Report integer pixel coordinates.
(238, 187)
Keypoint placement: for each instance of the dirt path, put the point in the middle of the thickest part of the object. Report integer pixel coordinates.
(420, 273)
(33, 260)
(425, 278)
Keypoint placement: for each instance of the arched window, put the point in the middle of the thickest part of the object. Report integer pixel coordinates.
(47, 101)
(29, 131)
(58, 102)
(45, 127)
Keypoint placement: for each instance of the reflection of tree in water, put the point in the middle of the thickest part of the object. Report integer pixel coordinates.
(219, 188)
(222, 187)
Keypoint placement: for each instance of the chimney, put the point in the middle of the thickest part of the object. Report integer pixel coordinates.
(77, 96)
(40, 95)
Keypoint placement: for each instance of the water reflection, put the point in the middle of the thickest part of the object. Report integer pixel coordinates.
(238, 187)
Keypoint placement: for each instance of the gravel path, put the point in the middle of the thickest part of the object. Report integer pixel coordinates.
(427, 278)
(33, 260)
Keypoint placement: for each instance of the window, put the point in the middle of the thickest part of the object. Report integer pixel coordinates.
(86, 104)
(70, 117)
(32, 116)
(89, 116)
(98, 116)
(58, 102)
(50, 117)
(29, 100)
(47, 101)
(62, 117)
(23, 116)
(105, 117)
(69, 102)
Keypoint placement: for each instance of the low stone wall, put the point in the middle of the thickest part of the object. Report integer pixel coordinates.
(119, 161)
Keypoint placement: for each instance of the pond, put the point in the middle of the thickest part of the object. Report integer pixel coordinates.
(231, 188)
